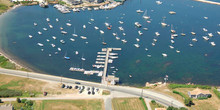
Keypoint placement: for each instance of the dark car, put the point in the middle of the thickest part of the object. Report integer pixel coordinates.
(77, 82)
(93, 93)
(89, 92)
(63, 85)
(70, 87)
(76, 87)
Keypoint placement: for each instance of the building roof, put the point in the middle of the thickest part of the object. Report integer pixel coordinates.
(198, 91)
(160, 108)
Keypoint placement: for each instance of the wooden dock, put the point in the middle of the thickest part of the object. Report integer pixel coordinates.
(107, 56)
(209, 2)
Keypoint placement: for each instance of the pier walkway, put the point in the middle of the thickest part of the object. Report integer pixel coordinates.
(106, 67)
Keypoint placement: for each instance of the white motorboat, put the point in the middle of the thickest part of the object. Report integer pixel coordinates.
(164, 55)
(124, 41)
(163, 24)
(83, 37)
(117, 38)
(54, 37)
(40, 44)
(59, 49)
(139, 11)
(157, 33)
(76, 10)
(193, 33)
(68, 24)
(177, 51)
(84, 26)
(57, 19)
(212, 43)
(140, 33)
(121, 22)
(76, 52)
(39, 32)
(47, 40)
(63, 32)
(191, 45)
(124, 34)
(62, 41)
(96, 28)
(194, 40)
(205, 38)
(172, 41)
(35, 24)
(45, 29)
(204, 29)
(171, 47)
(74, 35)
(137, 45)
(114, 34)
(172, 12)
(47, 19)
(72, 39)
(137, 24)
(137, 39)
(101, 31)
(218, 32)
(121, 28)
(30, 36)
(50, 26)
(210, 34)
(159, 2)
(53, 45)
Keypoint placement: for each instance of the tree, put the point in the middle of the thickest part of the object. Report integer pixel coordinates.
(188, 102)
(18, 100)
(153, 101)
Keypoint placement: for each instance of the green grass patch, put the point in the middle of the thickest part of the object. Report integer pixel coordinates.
(217, 93)
(154, 105)
(5, 63)
(61, 2)
(187, 100)
(9, 93)
(69, 105)
(143, 102)
(3, 7)
(174, 86)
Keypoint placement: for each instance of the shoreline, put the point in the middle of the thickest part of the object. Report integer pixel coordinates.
(18, 65)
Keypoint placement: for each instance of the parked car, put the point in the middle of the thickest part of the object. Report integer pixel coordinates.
(76, 87)
(63, 85)
(77, 82)
(70, 87)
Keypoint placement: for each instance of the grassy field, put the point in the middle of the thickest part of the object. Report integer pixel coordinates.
(127, 104)
(5, 5)
(31, 86)
(155, 105)
(16, 105)
(207, 104)
(69, 105)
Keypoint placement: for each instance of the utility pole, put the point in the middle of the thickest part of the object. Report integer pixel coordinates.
(141, 93)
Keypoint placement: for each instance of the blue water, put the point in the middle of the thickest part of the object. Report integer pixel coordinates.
(190, 65)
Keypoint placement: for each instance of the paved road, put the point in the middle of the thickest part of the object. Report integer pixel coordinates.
(163, 99)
